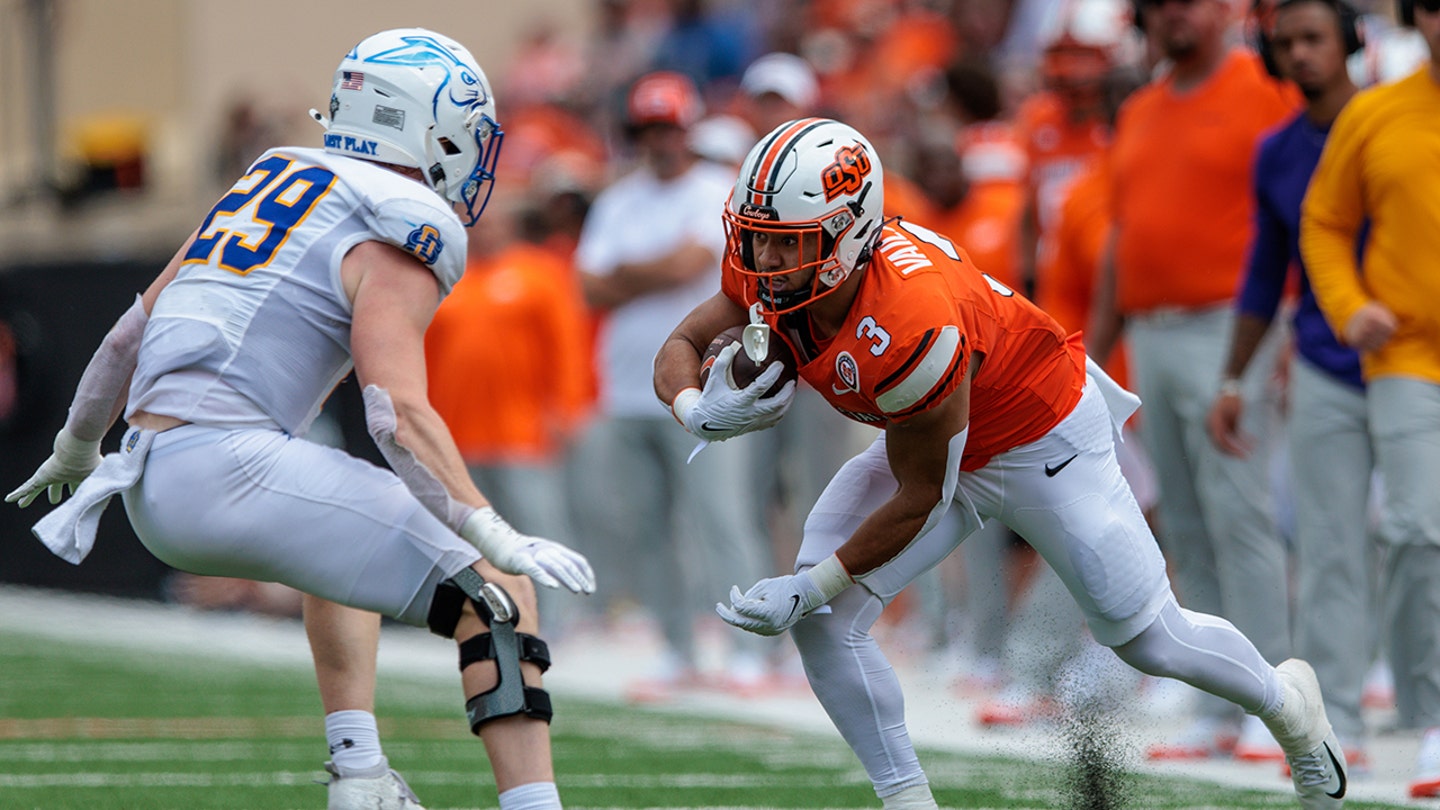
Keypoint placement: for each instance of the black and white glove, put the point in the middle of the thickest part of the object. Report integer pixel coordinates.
(774, 605)
(72, 462)
(547, 562)
(719, 412)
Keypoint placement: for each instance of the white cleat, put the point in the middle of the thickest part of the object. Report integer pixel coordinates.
(1317, 762)
(377, 788)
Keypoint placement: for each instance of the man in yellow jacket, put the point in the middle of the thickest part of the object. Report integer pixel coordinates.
(1382, 165)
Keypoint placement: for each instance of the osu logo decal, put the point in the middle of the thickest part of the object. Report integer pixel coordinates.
(847, 173)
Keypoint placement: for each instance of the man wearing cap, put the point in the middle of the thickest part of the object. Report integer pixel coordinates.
(649, 251)
(779, 87)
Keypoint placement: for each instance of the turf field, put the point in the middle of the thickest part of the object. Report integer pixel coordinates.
(99, 726)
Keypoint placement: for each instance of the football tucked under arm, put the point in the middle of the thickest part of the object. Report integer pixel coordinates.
(743, 368)
(738, 394)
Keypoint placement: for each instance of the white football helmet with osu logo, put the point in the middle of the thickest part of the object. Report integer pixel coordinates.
(813, 180)
(414, 98)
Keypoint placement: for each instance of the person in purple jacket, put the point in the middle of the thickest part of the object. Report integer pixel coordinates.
(1330, 450)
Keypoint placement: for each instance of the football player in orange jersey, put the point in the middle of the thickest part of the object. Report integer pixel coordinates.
(984, 403)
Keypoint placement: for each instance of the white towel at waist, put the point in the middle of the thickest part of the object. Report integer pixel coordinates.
(1121, 403)
(69, 529)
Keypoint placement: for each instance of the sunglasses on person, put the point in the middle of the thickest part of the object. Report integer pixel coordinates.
(1159, 3)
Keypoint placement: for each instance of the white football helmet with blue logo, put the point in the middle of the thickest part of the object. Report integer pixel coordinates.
(412, 97)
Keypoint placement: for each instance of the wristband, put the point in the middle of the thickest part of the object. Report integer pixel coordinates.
(74, 452)
(684, 402)
(1229, 387)
(830, 577)
(489, 533)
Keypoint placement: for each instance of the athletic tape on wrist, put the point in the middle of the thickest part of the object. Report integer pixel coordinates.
(684, 403)
(830, 577)
(489, 533)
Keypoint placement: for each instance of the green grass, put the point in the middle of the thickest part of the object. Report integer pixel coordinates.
(102, 728)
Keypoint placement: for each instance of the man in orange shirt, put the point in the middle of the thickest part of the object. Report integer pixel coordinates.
(983, 401)
(1181, 175)
(515, 323)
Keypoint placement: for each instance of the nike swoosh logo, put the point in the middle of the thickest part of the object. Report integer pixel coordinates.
(1339, 772)
(795, 605)
(1050, 472)
(708, 428)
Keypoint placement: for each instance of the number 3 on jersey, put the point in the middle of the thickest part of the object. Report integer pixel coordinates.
(250, 224)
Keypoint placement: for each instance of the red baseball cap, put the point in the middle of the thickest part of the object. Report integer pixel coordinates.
(664, 98)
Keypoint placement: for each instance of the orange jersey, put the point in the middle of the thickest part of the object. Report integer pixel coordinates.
(921, 312)
(1057, 149)
(987, 223)
(1182, 171)
(508, 357)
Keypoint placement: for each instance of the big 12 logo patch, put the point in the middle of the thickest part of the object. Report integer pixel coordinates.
(847, 173)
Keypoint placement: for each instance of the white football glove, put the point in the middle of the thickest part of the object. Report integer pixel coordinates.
(547, 562)
(720, 412)
(774, 605)
(72, 462)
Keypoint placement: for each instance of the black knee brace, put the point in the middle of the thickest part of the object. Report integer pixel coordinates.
(502, 644)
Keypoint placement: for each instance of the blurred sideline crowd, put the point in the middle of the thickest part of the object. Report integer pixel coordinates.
(997, 121)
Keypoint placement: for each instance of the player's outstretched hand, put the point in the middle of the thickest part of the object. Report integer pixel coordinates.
(547, 562)
(773, 605)
(553, 564)
(719, 412)
(71, 463)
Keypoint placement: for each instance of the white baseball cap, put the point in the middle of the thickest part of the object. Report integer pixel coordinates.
(785, 75)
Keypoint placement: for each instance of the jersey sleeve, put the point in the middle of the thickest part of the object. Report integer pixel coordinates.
(933, 368)
(430, 233)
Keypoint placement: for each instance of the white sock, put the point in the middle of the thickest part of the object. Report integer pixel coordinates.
(534, 796)
(916, 797)
(354, 741)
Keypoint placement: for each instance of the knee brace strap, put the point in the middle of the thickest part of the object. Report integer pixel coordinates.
(502, 644)
(490, 601)
(510, 696)
(482, 648)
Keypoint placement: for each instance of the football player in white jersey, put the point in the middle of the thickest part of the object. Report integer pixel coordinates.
(317, 262)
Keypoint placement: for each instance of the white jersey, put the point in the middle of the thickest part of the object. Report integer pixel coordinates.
(255, 329)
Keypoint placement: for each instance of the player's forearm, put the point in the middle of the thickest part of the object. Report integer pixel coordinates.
(888, 531)
(102, 391)
(677, 367)
(424, 433)
(418, 446)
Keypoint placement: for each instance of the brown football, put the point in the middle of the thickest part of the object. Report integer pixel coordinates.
(743, 370)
